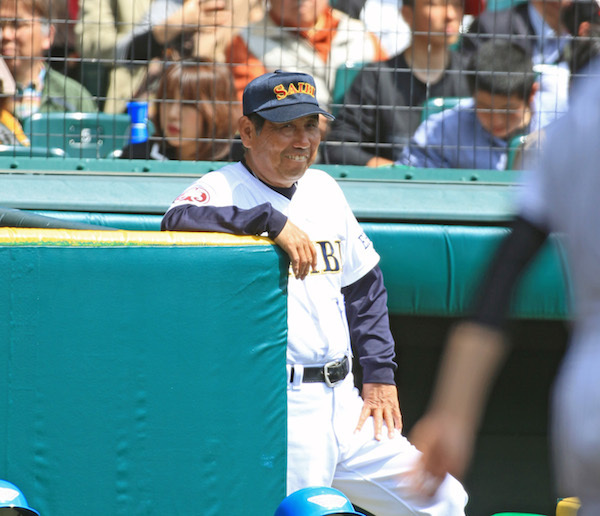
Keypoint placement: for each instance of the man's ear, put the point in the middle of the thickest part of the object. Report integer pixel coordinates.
(247, 131)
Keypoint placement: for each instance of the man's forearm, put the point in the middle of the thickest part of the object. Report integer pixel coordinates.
(227, 219)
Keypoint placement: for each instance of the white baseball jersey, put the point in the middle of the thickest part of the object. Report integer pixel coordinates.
(317, 326)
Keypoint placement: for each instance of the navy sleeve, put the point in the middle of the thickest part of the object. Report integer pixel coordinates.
(369, 323)
(227, 219)
(515, 252)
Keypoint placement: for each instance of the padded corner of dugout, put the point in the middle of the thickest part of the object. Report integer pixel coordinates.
(143, 370)
(434, 269)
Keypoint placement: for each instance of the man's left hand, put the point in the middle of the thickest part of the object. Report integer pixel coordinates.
(380, 402)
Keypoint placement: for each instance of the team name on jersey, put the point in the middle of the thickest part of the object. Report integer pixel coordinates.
(329, 257)
(282, 92)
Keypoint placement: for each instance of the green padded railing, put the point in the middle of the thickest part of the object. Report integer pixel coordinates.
(36, 163)
(429, 269)
(392, 194)
(435, 270)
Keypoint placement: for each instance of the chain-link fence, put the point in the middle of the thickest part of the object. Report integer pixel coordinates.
(426, 83)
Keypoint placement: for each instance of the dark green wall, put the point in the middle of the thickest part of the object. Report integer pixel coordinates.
(511, 469)
(143, 379)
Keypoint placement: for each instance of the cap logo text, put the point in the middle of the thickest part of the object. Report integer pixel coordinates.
(282, 92)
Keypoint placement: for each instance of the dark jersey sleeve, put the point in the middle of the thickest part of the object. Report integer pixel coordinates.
(227, 219)
(369, 324)
(515, 252)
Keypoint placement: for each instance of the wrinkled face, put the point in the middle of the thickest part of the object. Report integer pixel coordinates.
(297, 13)
(438, 21)
(500, 115)
(23, 35)
(180, 122)
(280, 154)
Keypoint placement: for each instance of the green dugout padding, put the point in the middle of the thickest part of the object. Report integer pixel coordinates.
(143, 378)
(435, 270)
(429, 269)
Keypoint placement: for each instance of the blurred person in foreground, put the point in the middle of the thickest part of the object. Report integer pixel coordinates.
(27, 36)
(196, 117)
(561, 194)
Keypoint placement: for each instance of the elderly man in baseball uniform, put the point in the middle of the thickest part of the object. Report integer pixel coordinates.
(335, 296)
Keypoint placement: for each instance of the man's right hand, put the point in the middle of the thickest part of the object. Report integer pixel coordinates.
(300, 249)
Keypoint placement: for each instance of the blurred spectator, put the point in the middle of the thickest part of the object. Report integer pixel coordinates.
(582, 20)
(197, 114)
(536, 26)
(381, 17)
(383, 107)
(307, 36)
(177, 29)
(27, 36)
(100, 24)
(64, 56)
(476, 133)
(11, 132)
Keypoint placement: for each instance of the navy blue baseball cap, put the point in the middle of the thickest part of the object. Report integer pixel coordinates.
(282, 96)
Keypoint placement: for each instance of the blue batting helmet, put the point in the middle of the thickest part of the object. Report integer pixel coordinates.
(316, 501)
(11, 497)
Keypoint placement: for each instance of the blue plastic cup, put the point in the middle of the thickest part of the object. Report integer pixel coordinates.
(138, 112)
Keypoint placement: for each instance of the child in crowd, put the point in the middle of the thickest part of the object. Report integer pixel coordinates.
(476, 133)
(196, 114)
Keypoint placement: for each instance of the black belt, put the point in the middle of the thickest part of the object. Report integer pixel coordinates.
(331, 373)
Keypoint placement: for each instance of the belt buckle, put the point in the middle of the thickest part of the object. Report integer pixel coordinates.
(326, 367)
